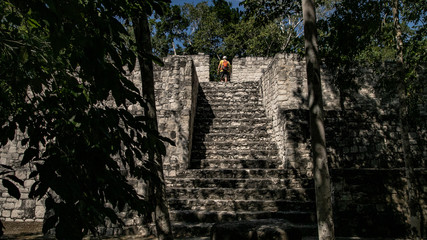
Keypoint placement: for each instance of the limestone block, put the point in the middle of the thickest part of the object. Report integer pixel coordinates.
(5, 213)
(28, 183)
(21, 174)
(3, 160)
(129, 222)
(24, 194)
(17, 214)
(40, 212)
(14, 156)
(259, 229)
(28, 203)
(8, 205)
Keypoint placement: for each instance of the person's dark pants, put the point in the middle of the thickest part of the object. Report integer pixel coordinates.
(225, 74)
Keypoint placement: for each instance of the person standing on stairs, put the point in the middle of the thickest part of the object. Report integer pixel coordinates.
(224, 69)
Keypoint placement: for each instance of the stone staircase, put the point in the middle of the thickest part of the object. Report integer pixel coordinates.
(234, 174)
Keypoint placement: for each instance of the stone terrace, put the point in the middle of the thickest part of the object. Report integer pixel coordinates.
(242, 150)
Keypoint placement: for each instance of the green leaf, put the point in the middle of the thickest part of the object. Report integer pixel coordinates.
(23, 54)
(156, 60)
(33, 174)
(16, 179)
(25, 141)
(6, 166)
(161, 147)
(33, 190)
(166, 139)
(29, 154)
(1, 229)
(49, 223)
(39, 189)
(33, 23)
(11, 188)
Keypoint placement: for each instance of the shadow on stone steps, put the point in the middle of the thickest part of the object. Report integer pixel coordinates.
(255, 230)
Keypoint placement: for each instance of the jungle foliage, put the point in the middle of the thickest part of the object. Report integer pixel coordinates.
(350, 32)
(63, 82)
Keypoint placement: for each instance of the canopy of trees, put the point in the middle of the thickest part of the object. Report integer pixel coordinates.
(63, 83)
(217, 30)
(265, 28)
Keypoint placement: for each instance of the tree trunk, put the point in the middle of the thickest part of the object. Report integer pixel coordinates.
(318, 142)
(157, 188)
(174, 48)
(414, 213)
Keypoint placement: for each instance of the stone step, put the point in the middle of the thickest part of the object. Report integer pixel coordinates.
(183, 230)
(233, 99)
(235, 88)
(233, 95)
(230, 91)
(234, 145)
(222, 137)
(221, 182)
(233, 154)
(200, 231)
(225, 106)
(237, 114)
(253, 129)
(300, 194)
(206, 142)
(233, 130)
(230, 86)
(233, 150)
(282, 174)
(240, 205)
(235, 163)
(236, 121)
(191, 216)
(233, 127)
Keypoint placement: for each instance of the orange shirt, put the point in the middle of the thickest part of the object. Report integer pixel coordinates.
(221, 63)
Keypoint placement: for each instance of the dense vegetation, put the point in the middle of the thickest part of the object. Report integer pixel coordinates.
(61, 62)
(349, 31)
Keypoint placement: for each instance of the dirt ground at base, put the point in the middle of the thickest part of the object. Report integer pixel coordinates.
(33, 231)
(22, 230)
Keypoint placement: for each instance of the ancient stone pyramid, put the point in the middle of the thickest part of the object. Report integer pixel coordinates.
(234, 173)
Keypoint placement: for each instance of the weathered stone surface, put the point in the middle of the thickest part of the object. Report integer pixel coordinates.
(249, 149)
(233, 175)
(255, 230)
(249, 69)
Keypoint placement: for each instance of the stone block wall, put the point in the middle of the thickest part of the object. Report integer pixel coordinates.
(284, 91)
(369, 203)
(201, 63)
(366, 160)
(249, 69)
(176, 91)
(363, 143)
(362, 133)
(273, 90)
(25, 209)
